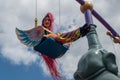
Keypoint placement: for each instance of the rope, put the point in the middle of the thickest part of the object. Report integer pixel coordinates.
(36, 19)
(116, 50)
(59, 13)
(36, 9)
(113, 46)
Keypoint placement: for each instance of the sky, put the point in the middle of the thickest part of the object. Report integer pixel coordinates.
(19, 62)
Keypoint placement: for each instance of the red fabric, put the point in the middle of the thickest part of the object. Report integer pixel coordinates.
(52, 66)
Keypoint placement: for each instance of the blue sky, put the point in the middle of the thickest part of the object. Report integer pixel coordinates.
(17, 62)
(8, 71)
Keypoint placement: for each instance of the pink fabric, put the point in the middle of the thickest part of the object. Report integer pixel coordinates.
(51, 63)
(52, 66)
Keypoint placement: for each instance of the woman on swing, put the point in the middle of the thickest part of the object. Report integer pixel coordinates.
(37, 35)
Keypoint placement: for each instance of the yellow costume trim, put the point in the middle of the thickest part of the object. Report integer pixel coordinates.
(71, 38)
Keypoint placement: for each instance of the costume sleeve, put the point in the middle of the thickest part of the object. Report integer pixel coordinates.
(73, 35)
(69, 36)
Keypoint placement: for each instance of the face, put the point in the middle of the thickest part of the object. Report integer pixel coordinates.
(46, 22)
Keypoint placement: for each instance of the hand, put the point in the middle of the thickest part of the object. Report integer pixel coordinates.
(84, 30)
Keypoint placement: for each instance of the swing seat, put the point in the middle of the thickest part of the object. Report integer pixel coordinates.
(51, 48)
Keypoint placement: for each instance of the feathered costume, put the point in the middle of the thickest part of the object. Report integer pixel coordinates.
(35, 36)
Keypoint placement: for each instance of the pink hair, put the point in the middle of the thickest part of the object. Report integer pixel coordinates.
(51, 63)
(51, 19)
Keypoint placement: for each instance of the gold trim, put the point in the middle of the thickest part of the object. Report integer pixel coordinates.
(87, 5)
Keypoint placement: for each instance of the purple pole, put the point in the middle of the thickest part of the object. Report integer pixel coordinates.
(80, 1)
(88, 16)
(92, 37)
(105, 23)
(101, 20)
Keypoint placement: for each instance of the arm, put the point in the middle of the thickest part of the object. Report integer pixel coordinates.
(73, 35)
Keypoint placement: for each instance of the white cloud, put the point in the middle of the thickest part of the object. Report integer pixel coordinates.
(21, 14)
